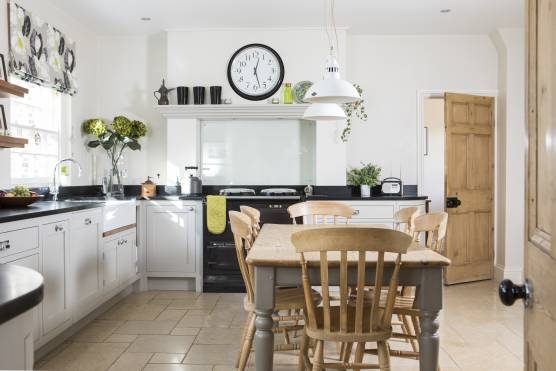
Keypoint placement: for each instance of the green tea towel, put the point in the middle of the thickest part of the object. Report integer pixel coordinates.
(216, 214)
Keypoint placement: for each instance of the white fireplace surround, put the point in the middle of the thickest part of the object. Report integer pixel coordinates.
(184, 141)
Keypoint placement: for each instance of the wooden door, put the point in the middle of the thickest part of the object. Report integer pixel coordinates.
(469, 186)
(540, 252)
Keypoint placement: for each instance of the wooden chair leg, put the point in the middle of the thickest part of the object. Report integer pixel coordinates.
(410, 331)
(318, 359)
(347, 352)
(243, 335)
(383, 356)
(247, 344)
(416, 326)
(341, 350)
(303, 353)
(359, 353)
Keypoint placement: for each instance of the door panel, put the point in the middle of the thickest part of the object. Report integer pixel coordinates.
(540, 252)
(469, 172)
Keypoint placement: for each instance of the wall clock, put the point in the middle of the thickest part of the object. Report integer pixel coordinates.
(255, 72)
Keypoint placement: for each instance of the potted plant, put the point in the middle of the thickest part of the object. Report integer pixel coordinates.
(366, 177)
(122, 133)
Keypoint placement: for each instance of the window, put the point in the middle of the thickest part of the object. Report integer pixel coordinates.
(37, 117)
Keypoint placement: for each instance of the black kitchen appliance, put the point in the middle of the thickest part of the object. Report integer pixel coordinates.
(220, 268)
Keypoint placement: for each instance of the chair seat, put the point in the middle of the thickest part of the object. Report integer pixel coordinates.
(286, 298)
(350, 336)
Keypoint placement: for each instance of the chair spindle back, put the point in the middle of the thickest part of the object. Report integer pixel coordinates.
(255, 216)
(406, 217)
(351, 244)
(242, 229)
(435, 224)
(323, 209)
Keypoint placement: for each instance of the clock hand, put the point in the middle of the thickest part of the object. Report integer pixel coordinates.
(256, 75)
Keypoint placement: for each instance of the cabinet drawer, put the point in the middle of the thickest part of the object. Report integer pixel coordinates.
(373, 211)
(85, 218)
(18, 241)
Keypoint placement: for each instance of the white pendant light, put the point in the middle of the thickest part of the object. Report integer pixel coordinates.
(332, 89)
(324, 112)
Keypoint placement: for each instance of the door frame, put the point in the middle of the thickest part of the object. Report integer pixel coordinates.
(439, 93)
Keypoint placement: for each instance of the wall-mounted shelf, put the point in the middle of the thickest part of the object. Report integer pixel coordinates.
(13, 89)
(233, 111)
(12, 142)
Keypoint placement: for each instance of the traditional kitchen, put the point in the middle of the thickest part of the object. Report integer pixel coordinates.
(262, 186)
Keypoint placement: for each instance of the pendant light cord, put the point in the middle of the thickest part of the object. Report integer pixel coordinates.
(330, 23)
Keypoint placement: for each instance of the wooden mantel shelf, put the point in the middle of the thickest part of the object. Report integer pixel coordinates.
(233, 111)
(12, 142)
(9, 88)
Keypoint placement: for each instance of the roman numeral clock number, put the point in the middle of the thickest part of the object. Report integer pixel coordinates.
(255, 72)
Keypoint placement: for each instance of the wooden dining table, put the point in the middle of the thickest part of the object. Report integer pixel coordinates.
(276, 263)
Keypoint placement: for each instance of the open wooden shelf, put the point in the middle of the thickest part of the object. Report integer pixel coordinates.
(9, 88)
(12, 142)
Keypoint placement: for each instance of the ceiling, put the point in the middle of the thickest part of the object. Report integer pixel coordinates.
(111, 17)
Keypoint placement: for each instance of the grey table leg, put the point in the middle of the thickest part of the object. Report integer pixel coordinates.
(264, 307)
(429, 301)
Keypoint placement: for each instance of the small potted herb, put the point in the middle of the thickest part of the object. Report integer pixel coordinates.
(366, 177)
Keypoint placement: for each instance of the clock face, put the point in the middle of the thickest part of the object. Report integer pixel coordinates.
(255, 72)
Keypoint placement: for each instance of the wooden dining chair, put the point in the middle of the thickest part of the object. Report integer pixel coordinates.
(321, 211)
(434, 225)
(286, 298)
(347, 323)
(255, 216)
(404, 219)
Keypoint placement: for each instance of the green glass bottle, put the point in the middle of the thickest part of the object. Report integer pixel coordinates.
(287, 94)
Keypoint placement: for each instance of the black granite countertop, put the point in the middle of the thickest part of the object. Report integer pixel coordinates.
(44, 208)
(21, 289)
(359, 198)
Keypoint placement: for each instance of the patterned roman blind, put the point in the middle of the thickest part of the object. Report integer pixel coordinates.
(40, 53)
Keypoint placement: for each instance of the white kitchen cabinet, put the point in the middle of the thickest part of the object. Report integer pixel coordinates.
(127, 258)
(85, 274)
(119, 260)
(171, 239)
(30, 261)
(16, 342)
(56, 309)
(110, 265)
(381, 212)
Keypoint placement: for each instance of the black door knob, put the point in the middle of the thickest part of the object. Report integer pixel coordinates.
(509, 292)
(452, 202)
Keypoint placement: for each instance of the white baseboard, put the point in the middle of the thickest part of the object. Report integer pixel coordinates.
(163, 283)
(514, 274)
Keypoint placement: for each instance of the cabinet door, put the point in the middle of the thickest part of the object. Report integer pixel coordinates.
(31, 261)
(171, 239)
(55, 270)
(127, 258)
(110, 265)
(85, 285)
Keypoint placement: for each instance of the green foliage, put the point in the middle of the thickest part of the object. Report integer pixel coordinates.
(121, 134)
(350, 108)
(369, 175)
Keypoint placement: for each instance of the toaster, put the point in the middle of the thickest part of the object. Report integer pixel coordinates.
(391, 187)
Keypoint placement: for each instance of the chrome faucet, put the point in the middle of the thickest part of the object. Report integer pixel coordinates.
(55, 186)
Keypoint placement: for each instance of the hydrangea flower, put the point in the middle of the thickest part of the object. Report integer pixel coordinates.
(96, 127)
(122, 125)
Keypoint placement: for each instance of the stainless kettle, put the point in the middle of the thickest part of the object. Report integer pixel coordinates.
(195, 183)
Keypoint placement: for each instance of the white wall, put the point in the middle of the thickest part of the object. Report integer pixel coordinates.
(391, 70)
(83, 105)
(511, 147)
(433, 162)
(128, 70)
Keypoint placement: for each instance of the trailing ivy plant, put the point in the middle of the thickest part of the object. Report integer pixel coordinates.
(357, 108)
(115, 138)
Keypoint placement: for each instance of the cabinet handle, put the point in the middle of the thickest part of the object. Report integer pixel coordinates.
(4, 245)
(88, 221)
(58, 228)
(191, 208)
(356, 212)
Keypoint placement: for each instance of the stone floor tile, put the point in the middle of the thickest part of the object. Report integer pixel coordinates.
(131, 362)
(86, 357)
(161, 344)
(146, 327)
(167, 358)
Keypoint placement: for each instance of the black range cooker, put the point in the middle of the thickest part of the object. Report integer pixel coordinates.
(220, 268)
